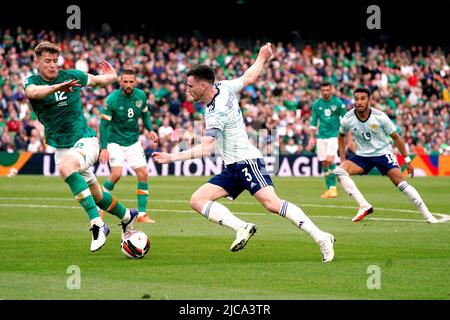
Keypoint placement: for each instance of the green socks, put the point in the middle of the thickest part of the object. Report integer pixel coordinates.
(82, 194)
(142, 196)
(110, 204)
(332, 176)
(108, 185)
(326, 176)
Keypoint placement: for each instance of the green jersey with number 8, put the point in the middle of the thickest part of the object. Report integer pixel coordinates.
(62, 113)
(123, 113)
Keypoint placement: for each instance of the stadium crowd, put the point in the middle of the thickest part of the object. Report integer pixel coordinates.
(410, 84)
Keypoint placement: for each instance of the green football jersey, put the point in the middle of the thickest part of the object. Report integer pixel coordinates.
(62, 113)
(328, 114)
(123, 113)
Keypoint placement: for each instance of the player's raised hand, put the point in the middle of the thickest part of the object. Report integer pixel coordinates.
(266, 51)
(162, 157)
(410, 169)
(106, 68)
(104, 156)
(67, 86)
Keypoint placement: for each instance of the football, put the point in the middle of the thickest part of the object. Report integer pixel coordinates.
(135, 244)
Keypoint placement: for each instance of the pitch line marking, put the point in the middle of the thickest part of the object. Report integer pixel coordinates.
(444, 217)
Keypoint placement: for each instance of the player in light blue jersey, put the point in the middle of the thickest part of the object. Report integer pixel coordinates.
(369, 128)
(244, 164)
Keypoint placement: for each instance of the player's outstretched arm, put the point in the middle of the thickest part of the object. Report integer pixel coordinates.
(252, 73)
(35, 92)
(400, 144)
(108, 76)
(202, 150)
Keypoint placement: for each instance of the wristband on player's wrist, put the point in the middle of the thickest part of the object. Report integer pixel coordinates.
(407, 159)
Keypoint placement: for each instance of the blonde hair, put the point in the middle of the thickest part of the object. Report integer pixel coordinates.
(46, 46)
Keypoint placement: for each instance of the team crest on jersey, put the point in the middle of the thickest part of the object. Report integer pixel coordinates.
(138, 103)
(333, 108)
(374, 127)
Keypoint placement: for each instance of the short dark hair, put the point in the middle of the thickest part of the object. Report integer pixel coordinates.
(325, 84)
(128, 71)
(202, 72)
(362, 90)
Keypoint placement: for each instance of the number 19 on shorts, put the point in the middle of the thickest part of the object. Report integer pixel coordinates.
(391, 158)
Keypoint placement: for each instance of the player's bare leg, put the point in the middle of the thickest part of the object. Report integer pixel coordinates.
(269, 199)
(204, 202)
(343, 173)
(396, 176)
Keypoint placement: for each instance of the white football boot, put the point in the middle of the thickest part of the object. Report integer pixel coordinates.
(432, 220)
(99, 235)
(326, 246)
(242, 236)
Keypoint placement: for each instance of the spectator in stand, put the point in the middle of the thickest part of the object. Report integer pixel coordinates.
(410, 84)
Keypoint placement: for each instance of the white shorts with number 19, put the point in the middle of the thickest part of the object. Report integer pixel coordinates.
(134, 155)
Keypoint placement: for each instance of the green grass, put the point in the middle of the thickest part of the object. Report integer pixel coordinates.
(43, 231)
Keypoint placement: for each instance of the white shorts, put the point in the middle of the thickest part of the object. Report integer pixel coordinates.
(134, 155)
(86, 150)
(327, 148)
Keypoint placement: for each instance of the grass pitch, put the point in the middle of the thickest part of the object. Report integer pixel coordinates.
(44, 237)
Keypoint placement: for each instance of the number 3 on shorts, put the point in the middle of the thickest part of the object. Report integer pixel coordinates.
(247, 175)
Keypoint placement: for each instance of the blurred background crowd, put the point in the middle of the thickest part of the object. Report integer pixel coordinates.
(411, 84)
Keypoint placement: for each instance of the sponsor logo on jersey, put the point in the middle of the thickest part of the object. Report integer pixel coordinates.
(138, 103)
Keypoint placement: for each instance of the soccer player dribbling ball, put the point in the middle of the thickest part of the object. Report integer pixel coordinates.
(244, 164)
(55, 98)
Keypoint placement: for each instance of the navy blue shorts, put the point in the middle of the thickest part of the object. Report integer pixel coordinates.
(248, 175)
(382, 163)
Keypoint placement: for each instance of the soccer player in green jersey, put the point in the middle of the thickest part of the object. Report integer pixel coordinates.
(328, 111)
(55, 98)
(119, 137)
